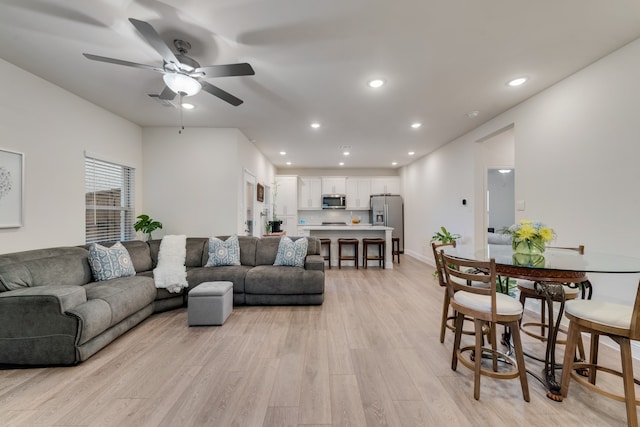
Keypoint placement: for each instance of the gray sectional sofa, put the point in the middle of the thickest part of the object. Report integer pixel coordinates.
(53, 313)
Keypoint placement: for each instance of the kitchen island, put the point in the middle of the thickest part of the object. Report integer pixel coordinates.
(355, 231)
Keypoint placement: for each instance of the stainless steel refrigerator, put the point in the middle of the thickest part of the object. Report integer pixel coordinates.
(388, 210)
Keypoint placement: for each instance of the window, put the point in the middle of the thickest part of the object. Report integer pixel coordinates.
(109, 199)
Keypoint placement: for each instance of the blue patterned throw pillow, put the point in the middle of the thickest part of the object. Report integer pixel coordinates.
(223, 252)
(292, 253)
(110, 263)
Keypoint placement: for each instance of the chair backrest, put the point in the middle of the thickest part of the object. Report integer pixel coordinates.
(634, 332)
(461, 273)
(438, 260)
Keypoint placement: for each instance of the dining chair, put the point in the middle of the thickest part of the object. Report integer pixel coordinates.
(487, 307)
(444, 322)
(447, 320)
(619, 322)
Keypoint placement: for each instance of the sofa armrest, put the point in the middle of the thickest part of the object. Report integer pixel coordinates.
(314, 262)
(61, 297)
(35, 326)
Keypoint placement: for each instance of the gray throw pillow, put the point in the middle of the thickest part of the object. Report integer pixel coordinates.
(292, 253)
(223, 252)
(110, 263)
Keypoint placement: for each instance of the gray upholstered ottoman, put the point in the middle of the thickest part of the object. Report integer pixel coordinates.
(210, 303)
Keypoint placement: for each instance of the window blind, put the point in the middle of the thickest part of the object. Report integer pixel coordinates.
(109, 199)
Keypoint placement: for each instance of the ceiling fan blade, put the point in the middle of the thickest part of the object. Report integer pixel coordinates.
(226, 70)
(154, 39)
(225, 96)
(167, 94)
(121, 62)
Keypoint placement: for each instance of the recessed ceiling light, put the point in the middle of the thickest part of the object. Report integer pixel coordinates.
(411, 153)
(517, 82)
(341, 163)
(188, 106)
(315, 125)
(346, 153)
(416, 125)
(376, 83)
(504, 170)
(394, 163)
(473, 114)
(282, 153)
(288, 163)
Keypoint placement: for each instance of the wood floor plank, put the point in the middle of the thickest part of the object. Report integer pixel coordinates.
(315, 402)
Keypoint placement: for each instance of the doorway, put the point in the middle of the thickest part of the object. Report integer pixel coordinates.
(249, 203)
(500, 199)
(497, 208)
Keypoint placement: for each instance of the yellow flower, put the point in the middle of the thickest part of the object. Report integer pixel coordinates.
(546, 233)
(526, 222)
(526, 231)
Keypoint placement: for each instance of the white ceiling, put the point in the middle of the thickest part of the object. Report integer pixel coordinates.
(441, 59)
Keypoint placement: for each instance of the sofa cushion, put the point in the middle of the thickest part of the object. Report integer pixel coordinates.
(140, 255)
(278, 280)
(124, 296)
(223, 252)
(197, 253)
(247, 249)
(43, 267)
(227, 273)
(291, 253)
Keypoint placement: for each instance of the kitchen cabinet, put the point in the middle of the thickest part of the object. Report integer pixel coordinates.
(358, 192)
(309, 193)
(385, 185)
(334, 185)
(286, 196)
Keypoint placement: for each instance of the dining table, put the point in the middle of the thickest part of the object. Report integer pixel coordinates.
(550, 271)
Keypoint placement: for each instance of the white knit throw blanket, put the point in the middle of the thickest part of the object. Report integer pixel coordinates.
(171, 272)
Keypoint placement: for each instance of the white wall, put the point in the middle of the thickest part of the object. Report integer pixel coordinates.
(434, 188)
(194, 180)
(576, 155)
(54, 128)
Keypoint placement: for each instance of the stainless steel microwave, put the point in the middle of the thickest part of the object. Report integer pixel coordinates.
(334, 201)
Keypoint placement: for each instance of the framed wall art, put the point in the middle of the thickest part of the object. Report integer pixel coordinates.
(11, 188)
(260, 193)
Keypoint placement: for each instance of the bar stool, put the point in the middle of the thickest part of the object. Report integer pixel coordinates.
(326, 242)
(380, 243)
(395, 248)
(348, 242)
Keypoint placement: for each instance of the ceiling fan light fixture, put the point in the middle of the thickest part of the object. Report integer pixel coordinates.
(181, 83)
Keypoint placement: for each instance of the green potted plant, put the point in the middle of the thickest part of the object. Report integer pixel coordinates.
(444, 236)
(147, 225)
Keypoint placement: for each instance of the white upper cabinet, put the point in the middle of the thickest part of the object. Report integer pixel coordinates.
(358, 192)
(385, 185)
(309, 193)
(286, 195)
(334, 185)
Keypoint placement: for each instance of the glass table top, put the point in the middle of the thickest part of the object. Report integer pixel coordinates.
(552, 259)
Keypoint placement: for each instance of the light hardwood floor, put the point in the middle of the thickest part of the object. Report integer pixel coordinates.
(370, 355)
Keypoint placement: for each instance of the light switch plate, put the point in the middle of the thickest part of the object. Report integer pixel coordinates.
(520, 205)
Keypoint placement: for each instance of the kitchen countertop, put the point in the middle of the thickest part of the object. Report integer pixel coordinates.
(349, 227)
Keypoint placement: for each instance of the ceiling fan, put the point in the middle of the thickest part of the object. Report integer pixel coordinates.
(182, 75)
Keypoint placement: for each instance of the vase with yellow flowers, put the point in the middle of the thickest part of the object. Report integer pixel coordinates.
(529, 237)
